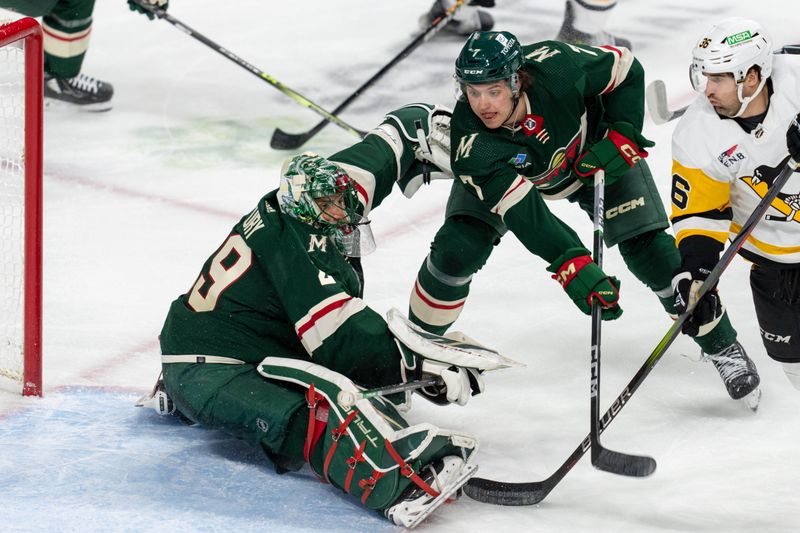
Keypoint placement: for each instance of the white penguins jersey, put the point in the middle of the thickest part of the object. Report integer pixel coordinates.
(720, 173)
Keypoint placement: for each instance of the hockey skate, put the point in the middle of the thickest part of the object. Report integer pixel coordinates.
(158, 399)
(467, 20)
(568, 34)
(446, 476)
(81, 92)
(737, 371)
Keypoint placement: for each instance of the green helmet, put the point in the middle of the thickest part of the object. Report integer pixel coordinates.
(489, 56)
(307, 177)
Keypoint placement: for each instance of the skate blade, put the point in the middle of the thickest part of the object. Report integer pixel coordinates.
(753, 399)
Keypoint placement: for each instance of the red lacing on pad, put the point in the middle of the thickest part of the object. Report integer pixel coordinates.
(317, 412)
(407, 471)
(336, 434)
(352, 463)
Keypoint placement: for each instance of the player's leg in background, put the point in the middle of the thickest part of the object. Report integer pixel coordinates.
(585, 21)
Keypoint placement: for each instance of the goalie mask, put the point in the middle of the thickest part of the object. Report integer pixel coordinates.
(734, 45)
(489, 56)
(320, 193)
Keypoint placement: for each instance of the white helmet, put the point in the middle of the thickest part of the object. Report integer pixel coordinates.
(733, 45)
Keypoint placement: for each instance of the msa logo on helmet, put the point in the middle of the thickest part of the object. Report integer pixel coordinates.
(737, 38)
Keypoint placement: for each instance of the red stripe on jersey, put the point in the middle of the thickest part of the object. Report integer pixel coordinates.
(362, 191)
(433, 304)
(60, 38)
(319, 314)
(619, 56)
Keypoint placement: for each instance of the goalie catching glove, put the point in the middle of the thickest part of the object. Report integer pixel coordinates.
(583, 281)
(618, 151)
(457, 383)
(455, 359)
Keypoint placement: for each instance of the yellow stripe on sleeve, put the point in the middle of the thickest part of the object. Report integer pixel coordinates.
(694, 192)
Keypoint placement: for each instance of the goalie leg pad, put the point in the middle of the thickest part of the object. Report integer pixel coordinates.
(367, 449)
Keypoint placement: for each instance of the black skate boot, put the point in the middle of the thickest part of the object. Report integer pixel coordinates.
(81, 92)
(737, 371)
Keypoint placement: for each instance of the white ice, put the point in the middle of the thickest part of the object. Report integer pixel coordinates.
(137, 198)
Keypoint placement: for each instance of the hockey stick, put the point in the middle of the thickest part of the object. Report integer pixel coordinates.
(533, 492)
(656, 97)
(603, 458)
(347, 399)
(291, 93)
(291, 141)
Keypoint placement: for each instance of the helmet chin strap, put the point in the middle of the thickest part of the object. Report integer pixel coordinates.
(745, 100)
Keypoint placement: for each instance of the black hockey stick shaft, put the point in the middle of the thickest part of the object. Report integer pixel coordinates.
(602, 457)
(282, 140)
(533, 492)
(288, 91)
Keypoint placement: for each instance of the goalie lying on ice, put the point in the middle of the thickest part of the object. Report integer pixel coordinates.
(281, 285)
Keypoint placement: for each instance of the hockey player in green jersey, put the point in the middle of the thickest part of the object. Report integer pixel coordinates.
(536, 122)
(273, 333)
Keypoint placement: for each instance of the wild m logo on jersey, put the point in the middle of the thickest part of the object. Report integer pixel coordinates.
(317, 242)
(731, 156)
(542, 53)
(465, 146)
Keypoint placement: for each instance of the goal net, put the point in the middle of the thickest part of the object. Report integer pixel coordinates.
(20, 205)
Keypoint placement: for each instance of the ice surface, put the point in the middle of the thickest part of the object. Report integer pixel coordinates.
(137, 198)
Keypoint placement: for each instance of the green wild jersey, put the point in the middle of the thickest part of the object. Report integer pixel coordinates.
(278, 287)
(574, 92)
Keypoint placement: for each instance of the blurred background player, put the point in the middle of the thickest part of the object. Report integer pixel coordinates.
(584, 20)
(66, 27)
(727, 150)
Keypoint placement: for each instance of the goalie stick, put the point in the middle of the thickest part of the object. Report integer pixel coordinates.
(533, 492)
(288, 91)
(602, 457)
(656, 94)
(291, 141)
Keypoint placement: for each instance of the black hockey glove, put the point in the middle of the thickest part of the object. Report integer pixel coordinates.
(140, 6)
(793, 138)
(685, 286)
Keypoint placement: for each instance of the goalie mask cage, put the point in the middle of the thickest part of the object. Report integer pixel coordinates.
(21, 72)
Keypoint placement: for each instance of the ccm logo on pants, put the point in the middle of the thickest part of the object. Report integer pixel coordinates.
(624, 208)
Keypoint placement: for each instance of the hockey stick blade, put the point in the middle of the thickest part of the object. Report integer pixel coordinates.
(603, 458)
(291, 141)
(623, 463)
(656, 97)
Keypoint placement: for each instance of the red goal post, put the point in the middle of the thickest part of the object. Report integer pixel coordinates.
(25, 165)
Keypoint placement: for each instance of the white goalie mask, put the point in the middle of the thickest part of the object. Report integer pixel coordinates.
(734, 45)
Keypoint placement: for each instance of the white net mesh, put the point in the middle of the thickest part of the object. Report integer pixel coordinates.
(12, 209)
